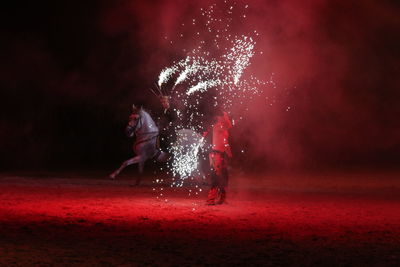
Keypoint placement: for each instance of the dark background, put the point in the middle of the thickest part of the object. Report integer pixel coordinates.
(70, 71)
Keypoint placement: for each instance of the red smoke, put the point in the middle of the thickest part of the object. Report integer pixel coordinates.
(335, 65)
(326, 67)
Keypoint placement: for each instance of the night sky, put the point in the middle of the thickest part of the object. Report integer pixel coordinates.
(70, 71)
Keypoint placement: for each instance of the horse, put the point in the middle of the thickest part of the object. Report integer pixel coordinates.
(144, 129)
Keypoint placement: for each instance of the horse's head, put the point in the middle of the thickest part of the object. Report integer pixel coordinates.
(141, 123)
(134, 118)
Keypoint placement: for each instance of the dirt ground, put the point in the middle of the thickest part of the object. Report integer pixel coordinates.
(271, 219)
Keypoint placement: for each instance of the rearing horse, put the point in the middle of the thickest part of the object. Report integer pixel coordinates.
(143, 127)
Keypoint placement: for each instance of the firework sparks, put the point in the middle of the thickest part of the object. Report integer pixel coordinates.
(185, 152)
(203, 86)
(215, 74)
(166, 74)
(223, 74)
(240, 54)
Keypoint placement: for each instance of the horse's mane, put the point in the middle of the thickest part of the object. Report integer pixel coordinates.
(147, 116)
(145, 111)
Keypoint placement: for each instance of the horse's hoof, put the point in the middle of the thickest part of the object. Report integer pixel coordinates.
(112, 176)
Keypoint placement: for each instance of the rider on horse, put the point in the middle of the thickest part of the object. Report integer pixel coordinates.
(143, 128)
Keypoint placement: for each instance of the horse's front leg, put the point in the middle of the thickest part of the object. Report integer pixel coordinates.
(134, 160)
(141, 168)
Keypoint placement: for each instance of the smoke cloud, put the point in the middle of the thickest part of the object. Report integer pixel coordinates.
(335, 65)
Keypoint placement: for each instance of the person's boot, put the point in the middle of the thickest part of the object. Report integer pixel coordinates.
(212, 194)
(221, 196)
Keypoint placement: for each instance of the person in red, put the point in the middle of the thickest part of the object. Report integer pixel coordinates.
(218, 155)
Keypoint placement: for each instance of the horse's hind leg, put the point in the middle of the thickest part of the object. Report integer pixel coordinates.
(126, 163)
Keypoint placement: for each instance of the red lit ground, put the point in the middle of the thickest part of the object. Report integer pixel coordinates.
(271, 219)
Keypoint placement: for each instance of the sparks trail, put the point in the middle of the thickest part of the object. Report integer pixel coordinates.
(223, 76)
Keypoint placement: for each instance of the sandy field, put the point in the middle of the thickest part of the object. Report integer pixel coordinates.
(271, 219)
